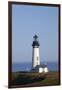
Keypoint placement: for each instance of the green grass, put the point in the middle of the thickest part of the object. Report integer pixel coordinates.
(35, 79)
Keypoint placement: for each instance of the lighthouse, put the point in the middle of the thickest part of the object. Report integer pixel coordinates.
(35, 52)
(36, 66)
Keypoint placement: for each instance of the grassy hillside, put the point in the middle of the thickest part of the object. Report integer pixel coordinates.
(34, 79)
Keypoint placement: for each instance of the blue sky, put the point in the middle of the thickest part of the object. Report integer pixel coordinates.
(28, 21)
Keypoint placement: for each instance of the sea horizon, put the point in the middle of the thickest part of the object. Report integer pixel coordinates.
(27, 66)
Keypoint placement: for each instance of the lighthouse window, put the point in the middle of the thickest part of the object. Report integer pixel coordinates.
(37, 63)
(37, 58)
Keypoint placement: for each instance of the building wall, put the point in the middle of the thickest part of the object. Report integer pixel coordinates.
(45, 69)
(35, 57)
(40, 70)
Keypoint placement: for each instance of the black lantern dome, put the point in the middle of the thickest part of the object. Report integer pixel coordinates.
(35, 42)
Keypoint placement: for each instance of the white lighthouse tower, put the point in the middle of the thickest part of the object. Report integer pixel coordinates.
(36, 66)
(35, 52)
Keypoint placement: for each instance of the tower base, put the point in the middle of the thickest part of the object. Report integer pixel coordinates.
(40, 69)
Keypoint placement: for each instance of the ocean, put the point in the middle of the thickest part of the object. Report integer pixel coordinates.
(26, 66)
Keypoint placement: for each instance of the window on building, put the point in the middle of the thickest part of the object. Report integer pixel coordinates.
(37, 63)
(37, 58)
